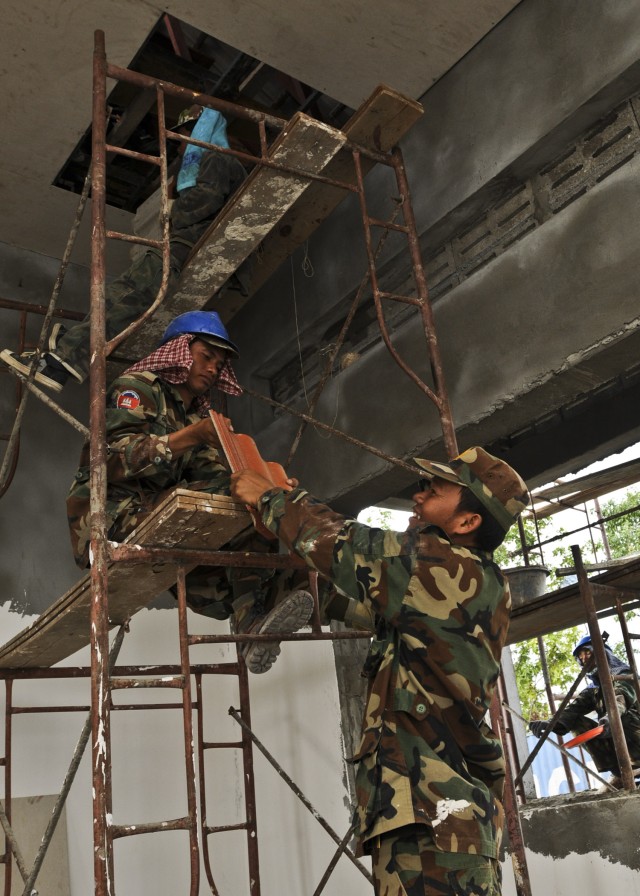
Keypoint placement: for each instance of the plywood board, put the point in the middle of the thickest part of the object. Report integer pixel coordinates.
(184, 519)
(304, 144)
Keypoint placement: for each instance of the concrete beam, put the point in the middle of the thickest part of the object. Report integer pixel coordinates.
(553, 317)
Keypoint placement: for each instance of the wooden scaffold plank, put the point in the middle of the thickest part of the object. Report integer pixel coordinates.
(185, 519)
(305, 144)
(380, 122)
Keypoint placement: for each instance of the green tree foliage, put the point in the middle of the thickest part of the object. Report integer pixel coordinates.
(623, 534)
(562, 668)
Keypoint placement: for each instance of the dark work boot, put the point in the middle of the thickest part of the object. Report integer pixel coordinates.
(289, 615)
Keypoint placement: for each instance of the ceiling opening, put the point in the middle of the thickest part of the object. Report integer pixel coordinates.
(177, 52)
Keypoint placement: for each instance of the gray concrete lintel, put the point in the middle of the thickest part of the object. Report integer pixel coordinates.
(544, 322)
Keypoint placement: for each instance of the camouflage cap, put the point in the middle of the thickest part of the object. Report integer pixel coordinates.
(497, 485)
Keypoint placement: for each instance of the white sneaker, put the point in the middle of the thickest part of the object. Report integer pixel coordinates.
(45, 376)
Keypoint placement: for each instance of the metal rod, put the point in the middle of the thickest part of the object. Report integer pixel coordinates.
(428, 322)
(32, 308)
(7, 779)
(552, 706)
(151, 827)
(10, 461)
(283, 636)
(101, 739)
(265, 161)
(373, 276)
(512, 817)
(622, 620)
(224, 106)
(250, 804)
(200, 748)
(85, 672)
(193, 96)
(334, 861)
(46, 325)
(187, 719)
(294, 787)
(134, 553)
(396, 461)
(50, 403)
(15, 849)
(135, 325)
(328, 366)
(511, 742)
(604, 674)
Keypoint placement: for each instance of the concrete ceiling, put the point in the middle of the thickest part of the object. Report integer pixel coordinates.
(343, 48)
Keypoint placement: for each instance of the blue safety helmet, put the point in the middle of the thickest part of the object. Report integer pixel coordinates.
(583, 642)
(204, 324)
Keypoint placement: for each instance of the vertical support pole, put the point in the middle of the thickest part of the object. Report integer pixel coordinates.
(552, 707)
(606, 681)
(249, 779)
(438, 395)
(100, 692)
(512, 818)
(622, 619)
(203, 789)
(187, 718)
(428, 322)
(7, 780)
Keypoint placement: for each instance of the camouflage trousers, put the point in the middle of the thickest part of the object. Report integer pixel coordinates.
(127, 297)
(125, 300)
(406, 862)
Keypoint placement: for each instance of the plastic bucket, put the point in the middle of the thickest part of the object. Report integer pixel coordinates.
(526, 583)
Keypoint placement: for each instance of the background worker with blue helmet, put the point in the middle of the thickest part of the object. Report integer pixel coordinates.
(160, 437)
(576, 717)
(205, 182)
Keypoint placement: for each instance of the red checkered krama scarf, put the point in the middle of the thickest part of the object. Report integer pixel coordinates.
(173, 362)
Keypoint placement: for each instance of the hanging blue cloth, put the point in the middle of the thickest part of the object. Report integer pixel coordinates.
(211, 127)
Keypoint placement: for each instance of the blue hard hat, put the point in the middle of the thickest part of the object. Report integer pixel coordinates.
(206, 324)
(588, 643)
(583, 642)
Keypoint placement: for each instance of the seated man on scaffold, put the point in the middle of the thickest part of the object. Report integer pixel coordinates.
(160, 437)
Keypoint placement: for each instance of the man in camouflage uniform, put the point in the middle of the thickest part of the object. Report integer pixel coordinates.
(160, 437)
(575, 717)
(431, 771)
(205, 182)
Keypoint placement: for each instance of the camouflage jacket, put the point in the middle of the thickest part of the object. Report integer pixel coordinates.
(142, 411)
(426, 755)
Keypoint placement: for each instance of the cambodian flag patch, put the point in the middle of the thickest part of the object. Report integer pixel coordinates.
(128, 400)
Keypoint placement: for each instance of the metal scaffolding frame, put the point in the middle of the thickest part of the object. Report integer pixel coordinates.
(103, 676)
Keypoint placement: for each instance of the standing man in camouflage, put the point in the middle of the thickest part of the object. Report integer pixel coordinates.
(431, 771)
(576, 717)
(160, 437)
(205, 182)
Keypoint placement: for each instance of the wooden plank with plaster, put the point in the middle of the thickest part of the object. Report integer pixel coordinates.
(380, 122)
(185, 519)
(304, 144)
